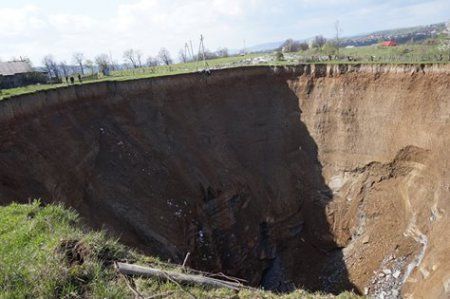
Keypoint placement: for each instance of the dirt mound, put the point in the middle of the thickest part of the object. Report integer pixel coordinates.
(321, 177)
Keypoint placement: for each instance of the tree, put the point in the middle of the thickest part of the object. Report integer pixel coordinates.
(318, 42)
(152, 61)
(131, 56)
(338, 29)
(164, 56)
(304, 46)
(330, 48)
(209, 54)
(103, 64)
(78, 59)
(64, 68)
(222, 52)
(138, 55)
(286, 46)
(51, 66)
(182, 56)
(290, 45)
(279, 56)
(90, 65)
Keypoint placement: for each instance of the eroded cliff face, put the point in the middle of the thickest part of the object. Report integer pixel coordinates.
(319, 176)
(382, 135)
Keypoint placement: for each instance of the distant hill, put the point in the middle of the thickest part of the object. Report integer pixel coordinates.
(258, 48)
(401, 35)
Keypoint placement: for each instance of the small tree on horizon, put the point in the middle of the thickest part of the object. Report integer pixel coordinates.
(78, 59)
(304, 46)
(318, 42)
(103, 64)
(330, 48)
(132, 56)
(51, 66)
(64, 68)
(151, 61)
(182, 56)
(164, 56)
(90, 65)
(222, 52)
(338, 29)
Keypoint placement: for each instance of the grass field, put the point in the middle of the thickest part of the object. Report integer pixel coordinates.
(407, 53)
(46, 253)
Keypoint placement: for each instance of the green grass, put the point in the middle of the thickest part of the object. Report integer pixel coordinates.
(36, 261)
(5, 93)
(32, 266)
(406, 53)
(144, 72)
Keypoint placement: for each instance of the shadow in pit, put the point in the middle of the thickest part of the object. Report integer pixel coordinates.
(312, 260)
(285, 195)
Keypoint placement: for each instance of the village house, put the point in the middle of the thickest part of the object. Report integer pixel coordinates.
(19, 73)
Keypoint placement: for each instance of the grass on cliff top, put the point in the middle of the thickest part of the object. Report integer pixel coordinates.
(46, 253)
(402, 54)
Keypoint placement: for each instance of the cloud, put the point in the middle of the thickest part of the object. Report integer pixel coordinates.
(38, 29)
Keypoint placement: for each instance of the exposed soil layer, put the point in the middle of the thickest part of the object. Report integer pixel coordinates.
(322, 177)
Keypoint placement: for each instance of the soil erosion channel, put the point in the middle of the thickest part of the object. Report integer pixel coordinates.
(322, 177)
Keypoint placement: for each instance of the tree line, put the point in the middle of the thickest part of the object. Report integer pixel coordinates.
(290, 45)
(131, 59)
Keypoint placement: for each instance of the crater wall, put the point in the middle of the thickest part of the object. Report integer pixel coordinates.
(317, 176)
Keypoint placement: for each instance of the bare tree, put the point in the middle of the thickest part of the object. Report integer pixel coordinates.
(304, 46)
(319, 41)
(103, 64)
(90, 65)
(78, 59)
(330, 48)
(287, 45)
(182, 56)
(222, 52)
(51, 66)
(164, 56)
(152, 61)
(210, 54)
(338, 29)
(130, 56)
(138, 55)
(290, 45)
(64, 68)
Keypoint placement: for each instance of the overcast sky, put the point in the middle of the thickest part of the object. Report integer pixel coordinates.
(36, 28)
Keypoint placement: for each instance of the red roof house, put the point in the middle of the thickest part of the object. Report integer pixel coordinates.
(390, 43)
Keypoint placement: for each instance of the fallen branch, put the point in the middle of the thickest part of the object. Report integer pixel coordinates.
(136, 293)
(179, 285)
(135, 270)
(185, 260)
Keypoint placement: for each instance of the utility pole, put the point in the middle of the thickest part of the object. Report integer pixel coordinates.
(201, 50)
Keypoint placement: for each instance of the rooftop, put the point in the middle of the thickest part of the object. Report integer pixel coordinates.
(14, 67)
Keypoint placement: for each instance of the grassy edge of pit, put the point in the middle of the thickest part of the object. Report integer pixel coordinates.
(180, 69)
(46, 252)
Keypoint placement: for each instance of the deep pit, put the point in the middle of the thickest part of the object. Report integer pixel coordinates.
(321, 177)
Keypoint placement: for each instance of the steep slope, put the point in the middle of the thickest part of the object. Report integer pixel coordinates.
(313, 176)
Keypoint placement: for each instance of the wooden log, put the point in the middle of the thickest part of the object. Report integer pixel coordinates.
(135, 270)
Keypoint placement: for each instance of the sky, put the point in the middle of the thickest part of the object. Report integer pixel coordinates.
(34, 29)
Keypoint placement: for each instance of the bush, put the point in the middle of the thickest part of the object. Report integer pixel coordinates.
(279, 56)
